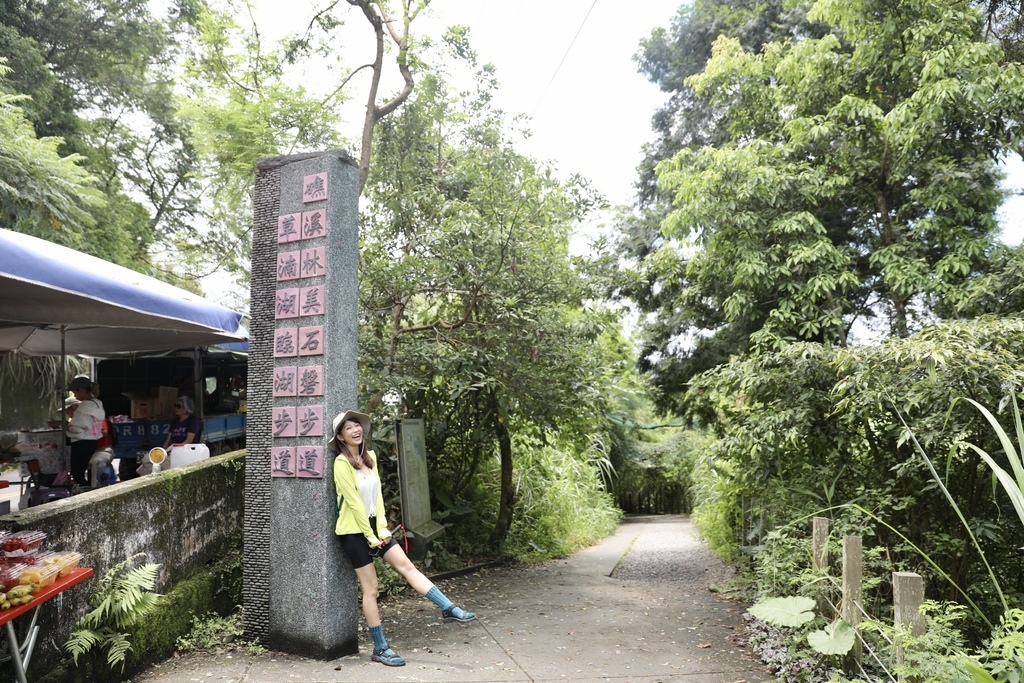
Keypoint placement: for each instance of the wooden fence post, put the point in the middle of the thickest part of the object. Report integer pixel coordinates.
(853, 591)
(907, 596)
(819, 561)
(819, 541)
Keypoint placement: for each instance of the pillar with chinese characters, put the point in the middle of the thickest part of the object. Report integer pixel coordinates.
(299, 590)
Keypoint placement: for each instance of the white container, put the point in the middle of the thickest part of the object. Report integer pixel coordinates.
(187, 454)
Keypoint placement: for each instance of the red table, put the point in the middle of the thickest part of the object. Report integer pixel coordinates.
(15, 654)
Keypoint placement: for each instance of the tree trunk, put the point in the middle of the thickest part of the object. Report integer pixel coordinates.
(507, 495)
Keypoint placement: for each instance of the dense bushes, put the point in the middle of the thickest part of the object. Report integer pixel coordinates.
(812, 428)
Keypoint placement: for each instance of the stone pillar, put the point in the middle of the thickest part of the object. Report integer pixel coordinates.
(299, 591)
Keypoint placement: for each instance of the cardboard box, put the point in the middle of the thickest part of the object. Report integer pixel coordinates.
(143, 405)
(143, 408)
(167, 392)
(165, 406)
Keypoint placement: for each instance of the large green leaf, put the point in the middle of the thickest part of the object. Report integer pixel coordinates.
(835, 639)
(978, 673)
(791, 611)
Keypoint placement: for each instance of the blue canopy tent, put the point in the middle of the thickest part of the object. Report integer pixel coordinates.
(55, 300)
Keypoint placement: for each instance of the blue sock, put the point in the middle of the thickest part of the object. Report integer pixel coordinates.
(377, 633)
(437, 597)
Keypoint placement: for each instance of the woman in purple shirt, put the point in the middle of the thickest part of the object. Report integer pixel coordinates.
(185, 426)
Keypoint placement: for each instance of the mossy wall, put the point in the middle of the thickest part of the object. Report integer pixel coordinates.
(183, 519)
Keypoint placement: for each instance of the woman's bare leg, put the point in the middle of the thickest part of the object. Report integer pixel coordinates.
(397, 558)
(367, 576)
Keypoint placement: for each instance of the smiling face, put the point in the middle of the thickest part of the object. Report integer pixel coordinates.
(351, 432)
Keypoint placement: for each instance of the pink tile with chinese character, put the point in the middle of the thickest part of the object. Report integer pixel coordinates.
(314, 188)
(285, 383)
(313, 262)
(311, 341)
(283, 421)
(286, 342)
(288, 265)
(286, 303)
(314, 224)
(310, 421)
(311, 300)
(309, 461)
(311, 380)
(289, 228)
(282, 461)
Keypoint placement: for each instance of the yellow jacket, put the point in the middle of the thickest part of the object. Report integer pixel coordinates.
(352, 515)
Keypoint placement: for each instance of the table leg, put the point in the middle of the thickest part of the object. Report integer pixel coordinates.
(30, 642)
(15, 652)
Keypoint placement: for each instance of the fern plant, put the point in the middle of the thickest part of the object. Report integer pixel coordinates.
(124, 598)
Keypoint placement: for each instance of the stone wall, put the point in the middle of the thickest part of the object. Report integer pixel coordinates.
(181, 518)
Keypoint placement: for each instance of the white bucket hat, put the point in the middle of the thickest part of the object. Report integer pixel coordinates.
(362, 418)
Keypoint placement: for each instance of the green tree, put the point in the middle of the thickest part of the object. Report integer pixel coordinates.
(859, 182)
(475, 313)
(688, 120)
(98, 74)
(40, 189)
(812, 427)
(241, 104)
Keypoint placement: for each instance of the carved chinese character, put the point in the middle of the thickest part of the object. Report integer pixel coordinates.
(309, 383)
(284, 381)
(287, 303)
(314, 187)
(311, 304)
(288, 228)
(284, 422)
(309, 340)
(287, 266)
(283, 461)
(313, 224)
(312, 263)
(285, 342)
(308, 422)
(309, 461)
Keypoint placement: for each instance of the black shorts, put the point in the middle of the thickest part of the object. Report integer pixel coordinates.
(359, 551)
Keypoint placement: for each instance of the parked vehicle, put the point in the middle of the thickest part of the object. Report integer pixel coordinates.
(217, 373)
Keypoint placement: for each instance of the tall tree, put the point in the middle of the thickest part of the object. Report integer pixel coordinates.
(688, 120)
(98, 74)
(859, 180)
(40, 189)
(475, 313)
(242, 102)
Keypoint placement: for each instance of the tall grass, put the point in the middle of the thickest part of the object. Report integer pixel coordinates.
(561, 501)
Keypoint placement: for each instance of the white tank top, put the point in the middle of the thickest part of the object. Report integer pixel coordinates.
(369, 485)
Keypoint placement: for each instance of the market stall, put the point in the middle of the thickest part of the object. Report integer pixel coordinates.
(55, 301)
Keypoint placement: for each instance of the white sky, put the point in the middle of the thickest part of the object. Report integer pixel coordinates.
(595, 115)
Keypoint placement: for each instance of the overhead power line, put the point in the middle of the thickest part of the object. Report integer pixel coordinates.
(567, 50)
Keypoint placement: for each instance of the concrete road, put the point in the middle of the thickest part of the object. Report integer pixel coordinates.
(633, 609)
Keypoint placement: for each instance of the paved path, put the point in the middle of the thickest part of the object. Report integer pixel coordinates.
(633, 609)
